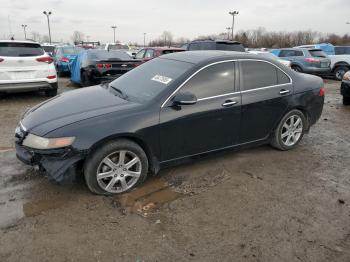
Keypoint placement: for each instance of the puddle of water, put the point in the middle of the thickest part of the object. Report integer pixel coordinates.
(148, 197)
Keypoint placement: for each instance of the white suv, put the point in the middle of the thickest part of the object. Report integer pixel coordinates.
(24, 66)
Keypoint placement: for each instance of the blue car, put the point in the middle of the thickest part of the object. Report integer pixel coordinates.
(63, 56)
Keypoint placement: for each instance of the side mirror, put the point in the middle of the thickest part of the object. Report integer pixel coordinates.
(184, 98)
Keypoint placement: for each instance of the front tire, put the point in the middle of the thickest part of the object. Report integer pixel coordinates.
(289, 131)
(116, 167)
(346, 100)
(297, 68)
(339, 72)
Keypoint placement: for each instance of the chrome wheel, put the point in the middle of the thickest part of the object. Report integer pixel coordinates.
(119, 171)
(292, 130)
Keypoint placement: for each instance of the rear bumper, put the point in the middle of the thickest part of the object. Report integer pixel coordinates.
(345, 88)
(27, 86)
(317, 71)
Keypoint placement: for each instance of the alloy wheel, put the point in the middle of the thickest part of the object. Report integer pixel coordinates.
(292, 130)
(119, 171)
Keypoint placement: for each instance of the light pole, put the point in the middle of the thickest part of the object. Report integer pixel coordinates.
(24, 30)
(48, 22)
(144, 39)
(228, 32)
(233, 13)
(114, 28)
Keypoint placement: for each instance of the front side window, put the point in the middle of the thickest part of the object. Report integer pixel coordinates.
(258, 74)
(140, 54)
(212, 81)
(149, 53)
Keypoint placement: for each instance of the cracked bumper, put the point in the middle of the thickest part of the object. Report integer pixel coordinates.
(60, 165)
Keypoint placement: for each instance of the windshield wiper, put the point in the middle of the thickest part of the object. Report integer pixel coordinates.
(120, 92)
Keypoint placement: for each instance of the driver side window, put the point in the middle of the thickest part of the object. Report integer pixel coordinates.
(140, 54)
(214, 80)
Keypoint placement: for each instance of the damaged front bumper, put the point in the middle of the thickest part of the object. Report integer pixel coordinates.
(60, 165)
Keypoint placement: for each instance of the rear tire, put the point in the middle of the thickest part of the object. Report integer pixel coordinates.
(346, 100)
(289, 131)
(109, 162)
(51, 92)
(339, 72)
(85, 81)
(297, 68)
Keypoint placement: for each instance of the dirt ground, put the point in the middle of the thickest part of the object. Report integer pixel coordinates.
(254, 205)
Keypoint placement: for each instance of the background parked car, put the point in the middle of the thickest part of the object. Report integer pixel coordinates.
(271, 56)
(215, 45)
(149, 53)
(24, 66)
(345, 88)
(311, 61)
(63, 56)
(49, 49)
(339, 56)
(93, 66)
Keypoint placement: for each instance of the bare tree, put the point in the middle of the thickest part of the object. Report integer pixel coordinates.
(78, 36)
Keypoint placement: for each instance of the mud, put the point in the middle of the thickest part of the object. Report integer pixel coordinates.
(252, 205)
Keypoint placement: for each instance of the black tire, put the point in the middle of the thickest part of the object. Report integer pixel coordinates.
(95, 159)
(85, 81)
(297, 68)
(339, 72)
(51, 92)
(346, 100)
(277, 140)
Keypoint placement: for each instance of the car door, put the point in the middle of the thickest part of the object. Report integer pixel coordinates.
(149, 54)
(211, 123)
(266, 92)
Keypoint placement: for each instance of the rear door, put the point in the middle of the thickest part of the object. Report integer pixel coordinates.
(266, 91)
(19, 62)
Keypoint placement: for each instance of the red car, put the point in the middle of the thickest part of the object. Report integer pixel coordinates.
(149, 53)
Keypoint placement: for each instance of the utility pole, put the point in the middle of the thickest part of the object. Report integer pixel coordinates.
(48, 22)
(114, 28)
(25, 33)
(228, 32)
(144, 39)
(233, 13)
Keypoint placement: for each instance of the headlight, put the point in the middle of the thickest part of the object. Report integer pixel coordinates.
(346, 76)
(38, 142)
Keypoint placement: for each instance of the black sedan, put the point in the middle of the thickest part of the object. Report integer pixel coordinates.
(93, 66)
(345, 88)
(167, 110)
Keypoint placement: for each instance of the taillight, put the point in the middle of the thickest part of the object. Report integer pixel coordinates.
(1, 59)
(104, 66)
(51, 77)
(64, 59)
(45, 59)
(321, 92)
(312, 60)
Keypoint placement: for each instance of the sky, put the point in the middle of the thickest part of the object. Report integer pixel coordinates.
(183, 18)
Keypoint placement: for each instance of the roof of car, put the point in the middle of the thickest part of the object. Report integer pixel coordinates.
(19, 41)
(196, 57)
(161, 48)
(216, 40)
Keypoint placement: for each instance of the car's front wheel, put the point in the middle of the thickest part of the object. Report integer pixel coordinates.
(116, 167)
(339, 72)
(346, 100)
(289, 131)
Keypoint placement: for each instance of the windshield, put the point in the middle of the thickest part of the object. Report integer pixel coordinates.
(20, 49)
(317, 53)
(118, 46)
(48, 48)
(145, 82)
(105, 55)
(71, 50)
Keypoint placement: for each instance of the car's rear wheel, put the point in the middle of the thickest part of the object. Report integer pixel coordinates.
(51, 92)
(346, 100)
(339, 72)
(116, 167)
(297, 68)
(85, 81)
(289, 131)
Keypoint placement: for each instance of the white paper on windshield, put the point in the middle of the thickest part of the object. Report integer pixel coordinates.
(162, 79)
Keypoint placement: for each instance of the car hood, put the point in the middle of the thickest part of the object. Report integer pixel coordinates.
(71, 107)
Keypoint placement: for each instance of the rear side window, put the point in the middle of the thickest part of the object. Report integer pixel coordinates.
(342, 50)
(212, 81)
(20, 49)
(317, 53)
(149, 53)
(258, 74)
(288, 53)
(230, 46)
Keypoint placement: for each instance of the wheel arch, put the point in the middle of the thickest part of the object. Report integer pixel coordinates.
(339, 64)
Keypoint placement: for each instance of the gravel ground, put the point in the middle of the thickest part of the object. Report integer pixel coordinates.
(253, 205)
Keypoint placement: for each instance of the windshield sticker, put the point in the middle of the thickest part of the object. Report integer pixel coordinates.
(162, 79)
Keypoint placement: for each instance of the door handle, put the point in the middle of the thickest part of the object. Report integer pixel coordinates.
(284, 92)
(229, 103)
